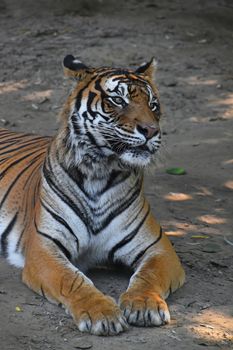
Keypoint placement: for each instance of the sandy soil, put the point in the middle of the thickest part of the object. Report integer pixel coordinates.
(193, 42)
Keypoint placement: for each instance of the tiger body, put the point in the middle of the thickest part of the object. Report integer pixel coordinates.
(75, 200)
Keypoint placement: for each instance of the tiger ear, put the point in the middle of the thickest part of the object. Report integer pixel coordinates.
(148, 69)
(74, 68)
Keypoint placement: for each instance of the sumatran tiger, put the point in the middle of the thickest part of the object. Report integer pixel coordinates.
(75, 200)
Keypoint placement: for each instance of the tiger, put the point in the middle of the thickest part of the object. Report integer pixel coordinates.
(74, 201)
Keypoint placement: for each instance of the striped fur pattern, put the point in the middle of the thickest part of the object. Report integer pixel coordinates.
(76, 200)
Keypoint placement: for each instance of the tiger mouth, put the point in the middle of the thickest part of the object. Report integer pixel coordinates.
(138, 150)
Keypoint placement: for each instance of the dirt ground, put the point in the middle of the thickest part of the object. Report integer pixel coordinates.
(193, 42)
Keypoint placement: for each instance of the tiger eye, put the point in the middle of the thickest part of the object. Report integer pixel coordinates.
(118, 100)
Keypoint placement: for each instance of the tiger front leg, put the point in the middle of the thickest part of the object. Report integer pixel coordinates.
(158, 272)
(48, 272)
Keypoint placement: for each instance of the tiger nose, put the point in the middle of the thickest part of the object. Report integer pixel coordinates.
(147, 130)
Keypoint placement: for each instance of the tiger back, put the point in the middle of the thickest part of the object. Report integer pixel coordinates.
(21, 160)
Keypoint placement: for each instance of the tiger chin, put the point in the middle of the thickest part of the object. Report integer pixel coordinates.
(76, 199)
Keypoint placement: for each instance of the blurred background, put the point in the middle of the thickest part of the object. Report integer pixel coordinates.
(193, 43)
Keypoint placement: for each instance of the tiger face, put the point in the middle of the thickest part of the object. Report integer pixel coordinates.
(114, 112)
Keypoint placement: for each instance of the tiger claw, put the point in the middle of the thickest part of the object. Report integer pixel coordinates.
(144, 311)
(104, 317)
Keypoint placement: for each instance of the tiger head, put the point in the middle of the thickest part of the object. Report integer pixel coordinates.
(112, 113)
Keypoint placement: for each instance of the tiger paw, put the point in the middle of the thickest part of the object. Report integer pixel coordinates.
(145, 309)
(101, 317)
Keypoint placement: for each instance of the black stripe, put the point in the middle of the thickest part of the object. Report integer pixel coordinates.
(80, 93)
(17, 178)
(16, 162)
(19, 240)
(88, 133)
(145, 250)
(35, 170)
(2, 160)
(55, 241)
(128, 238)
(115, 178)
(119, 72)
(4, 132)
(30, 202)
(8, 144)
(92, 139)
(61, 221)
(92, 113)
(117, 212)
(21, 140)
(76, 127)
(91, 97)
(42, 292)
(15, 138)
(129, 223)
(31, 142)
(98, 87)
(64, 198)
(127, 131)
(6, 232)
(7, 134)
(36, 191)
(74, 282)
(121, 207)
(75, 175)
